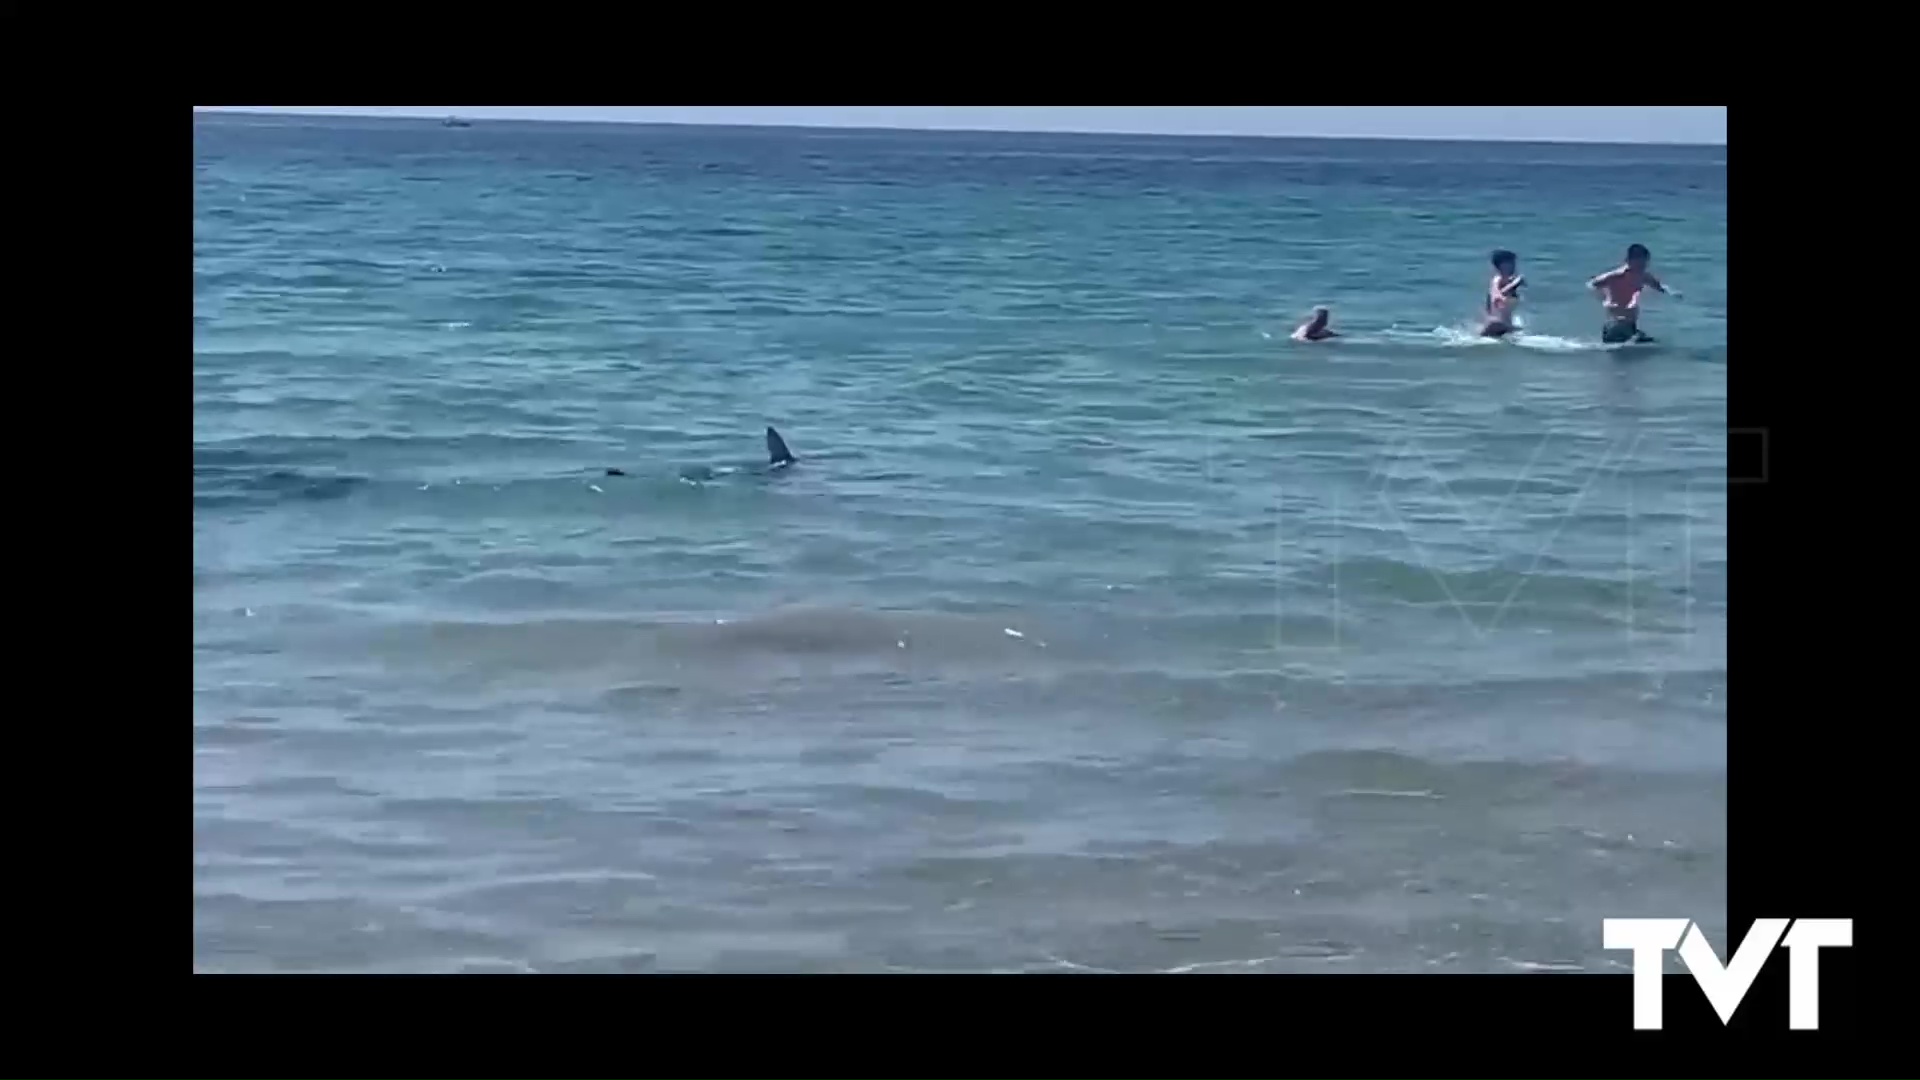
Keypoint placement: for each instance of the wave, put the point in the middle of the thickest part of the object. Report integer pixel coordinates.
(1463, 337)
(1468, 336)
(1063, 656)
(233, 478)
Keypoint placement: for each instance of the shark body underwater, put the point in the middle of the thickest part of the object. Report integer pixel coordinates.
(778, 457)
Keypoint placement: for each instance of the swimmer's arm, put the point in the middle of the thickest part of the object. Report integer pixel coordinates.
(1662, 286)
(1600, 282)
(1511, 287)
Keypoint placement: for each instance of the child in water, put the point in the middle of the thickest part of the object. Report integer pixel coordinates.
(1620, 290)
(1315, 328)
(1503, 295)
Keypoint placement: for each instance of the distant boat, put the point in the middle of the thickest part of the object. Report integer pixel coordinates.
(454, 121)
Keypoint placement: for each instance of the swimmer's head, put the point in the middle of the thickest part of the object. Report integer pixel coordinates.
(1321, 313)
(1505, 261)
(1638, 256)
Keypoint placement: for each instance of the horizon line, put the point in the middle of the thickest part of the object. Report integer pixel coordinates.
(799, 126)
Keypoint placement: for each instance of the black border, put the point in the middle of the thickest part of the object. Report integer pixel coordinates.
(1803, 743)
(1800, 781)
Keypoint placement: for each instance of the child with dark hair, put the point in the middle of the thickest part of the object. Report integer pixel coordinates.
(1503, 295)
(1620, 290)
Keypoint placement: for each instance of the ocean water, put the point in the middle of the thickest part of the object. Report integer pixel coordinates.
(1100, 627)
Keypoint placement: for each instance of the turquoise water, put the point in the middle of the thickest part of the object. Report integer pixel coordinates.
(1099, 626)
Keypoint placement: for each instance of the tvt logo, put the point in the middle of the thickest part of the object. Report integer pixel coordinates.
(1726, 986)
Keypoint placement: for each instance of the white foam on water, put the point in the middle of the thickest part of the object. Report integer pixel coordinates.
(1550, 343)
(1464, 337)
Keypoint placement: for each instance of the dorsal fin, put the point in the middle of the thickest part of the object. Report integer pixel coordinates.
(777, 452)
